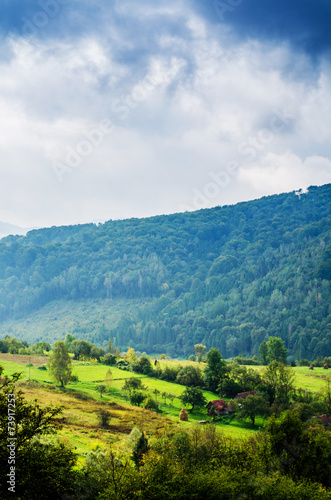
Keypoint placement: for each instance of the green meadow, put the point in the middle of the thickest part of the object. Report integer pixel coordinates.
(82, 403)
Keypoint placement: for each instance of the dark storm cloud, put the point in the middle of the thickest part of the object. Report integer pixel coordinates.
(303, 23)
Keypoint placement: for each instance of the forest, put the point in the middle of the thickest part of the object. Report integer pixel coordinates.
(227, 277)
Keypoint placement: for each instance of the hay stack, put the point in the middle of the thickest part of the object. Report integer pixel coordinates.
(311, 367)
(326, 366)
(183, 416)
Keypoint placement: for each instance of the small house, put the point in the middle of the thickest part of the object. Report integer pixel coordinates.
(218, 407)
(325, 419)
(244, 395)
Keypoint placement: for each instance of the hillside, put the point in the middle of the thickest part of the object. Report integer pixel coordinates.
(227, 277)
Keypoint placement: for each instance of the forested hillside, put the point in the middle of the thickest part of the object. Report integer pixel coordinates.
(226, 277)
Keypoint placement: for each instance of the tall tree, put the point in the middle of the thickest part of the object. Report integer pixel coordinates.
(278, 381)
(199, 350)
(215, 370)
(276, 350)
(59, 363)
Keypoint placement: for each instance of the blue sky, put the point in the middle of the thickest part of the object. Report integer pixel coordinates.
(115, 109)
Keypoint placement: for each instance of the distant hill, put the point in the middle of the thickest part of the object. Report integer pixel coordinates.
(227, 277)
(7, 229)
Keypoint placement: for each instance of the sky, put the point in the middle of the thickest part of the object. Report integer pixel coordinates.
(111, 109)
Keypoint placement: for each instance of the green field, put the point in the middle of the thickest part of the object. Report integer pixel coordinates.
(82, 402)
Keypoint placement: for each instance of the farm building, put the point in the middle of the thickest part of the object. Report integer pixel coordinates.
(325, 419)
(218, 407)
(244, 395)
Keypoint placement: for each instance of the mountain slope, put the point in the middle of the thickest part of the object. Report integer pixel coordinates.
(226, 277)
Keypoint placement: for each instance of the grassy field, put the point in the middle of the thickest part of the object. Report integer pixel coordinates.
(82, 403)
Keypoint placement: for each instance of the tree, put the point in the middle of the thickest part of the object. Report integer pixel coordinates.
(69, 338)
(215, 370)
(137, 398)
(303, 452)
(273, 350)
(190, 376)
(193, 396)
(108, 379)
(263, 352)
(110, 346)
(278, 382)
(38, 465)
(251, 407)
(104, 417)
(59, 363)
(131, 357)
(101, 388)
(199, 350)
(133, 384)
(140, 449)
(142, 365)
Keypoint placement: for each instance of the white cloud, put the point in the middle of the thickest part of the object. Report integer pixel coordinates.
(201, 97)
(281, 173)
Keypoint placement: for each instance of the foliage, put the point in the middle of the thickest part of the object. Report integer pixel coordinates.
(137, 398)
(149, 403)
(199, 350)
(251, 407)
(39, 465)
(273, 350)
(278, 384)
(101, 388)
(108, 359)
(133, 384)
(104, 417)
(193, 396)
(108, 378)
(140, 449)
(142, 365)
(303, 452)
(231, 277)
(59, 363)
(190, 375)
(215, 370)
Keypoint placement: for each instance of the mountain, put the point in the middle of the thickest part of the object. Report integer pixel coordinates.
(7, 229)
(226, 277)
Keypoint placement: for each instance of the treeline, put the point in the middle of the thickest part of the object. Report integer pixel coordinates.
(227, 277)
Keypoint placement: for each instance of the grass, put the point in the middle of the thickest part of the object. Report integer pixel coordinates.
(82, 402)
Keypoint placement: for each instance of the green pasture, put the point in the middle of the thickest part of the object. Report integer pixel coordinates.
(84, 433)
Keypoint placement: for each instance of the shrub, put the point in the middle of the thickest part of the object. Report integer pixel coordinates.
(108, 359)
(150, 403)
(104, 417)
(136, 398)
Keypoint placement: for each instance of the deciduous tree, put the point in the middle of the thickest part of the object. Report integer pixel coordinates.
(59, 363)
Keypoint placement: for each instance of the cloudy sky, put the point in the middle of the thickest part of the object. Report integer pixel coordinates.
(130, 108)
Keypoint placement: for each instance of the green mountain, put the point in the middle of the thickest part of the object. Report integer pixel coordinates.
(226, 277)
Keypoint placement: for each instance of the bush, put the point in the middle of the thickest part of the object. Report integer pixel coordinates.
(109, 359)
(122, 364)
(104, 417)
(136, 398)
(190, 376)
(150, 403)
(42, 367)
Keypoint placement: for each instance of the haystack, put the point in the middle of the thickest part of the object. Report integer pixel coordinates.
(326, 366)
(183, 416)
(311, 367)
